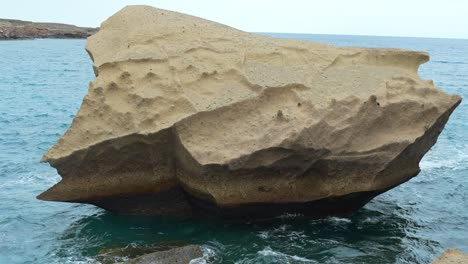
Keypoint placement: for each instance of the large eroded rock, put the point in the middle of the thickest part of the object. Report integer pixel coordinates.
(188, 115)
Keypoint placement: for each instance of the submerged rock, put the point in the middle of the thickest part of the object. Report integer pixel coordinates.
(188, 115)
(175, 252)
(121, 254)
(181, 255)
(452, 256)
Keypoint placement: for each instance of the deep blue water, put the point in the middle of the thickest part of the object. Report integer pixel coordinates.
(42, 83)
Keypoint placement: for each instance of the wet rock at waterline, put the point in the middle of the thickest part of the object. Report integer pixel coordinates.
(175, 252)
(190, 116)
(181, 255)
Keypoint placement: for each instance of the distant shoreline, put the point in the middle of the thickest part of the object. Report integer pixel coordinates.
(11, 29)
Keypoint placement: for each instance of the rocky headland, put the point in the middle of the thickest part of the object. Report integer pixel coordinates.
(189, 116)
(18, 29)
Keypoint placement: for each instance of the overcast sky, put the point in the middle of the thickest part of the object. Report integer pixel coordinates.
(419, 18)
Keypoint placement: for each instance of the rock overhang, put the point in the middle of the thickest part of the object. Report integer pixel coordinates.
(196, 109)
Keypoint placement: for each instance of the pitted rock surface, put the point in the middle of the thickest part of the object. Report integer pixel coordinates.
(186, 114)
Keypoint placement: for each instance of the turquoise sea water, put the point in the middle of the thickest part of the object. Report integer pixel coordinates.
(42, 83)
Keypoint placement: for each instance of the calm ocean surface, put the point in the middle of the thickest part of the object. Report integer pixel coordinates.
(42, 83)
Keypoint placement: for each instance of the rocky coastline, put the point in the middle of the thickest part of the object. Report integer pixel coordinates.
(11, 29)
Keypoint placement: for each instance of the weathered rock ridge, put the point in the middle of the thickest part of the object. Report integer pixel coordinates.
(18, 29)
(188, 115)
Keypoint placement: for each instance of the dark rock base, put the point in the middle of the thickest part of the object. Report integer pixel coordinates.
(333, 206)
(173, 203)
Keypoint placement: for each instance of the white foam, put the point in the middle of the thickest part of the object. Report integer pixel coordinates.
(455, 160)
(208, 255)
(290, 216)
(264, 234)
(334, 219)
(267, 251)
(75, 260)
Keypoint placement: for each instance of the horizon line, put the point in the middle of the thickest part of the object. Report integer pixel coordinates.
(357, 35)
(267, 32)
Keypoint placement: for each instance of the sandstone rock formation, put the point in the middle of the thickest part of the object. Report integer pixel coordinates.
(452, 256)
(188, 115)
(18, 29)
